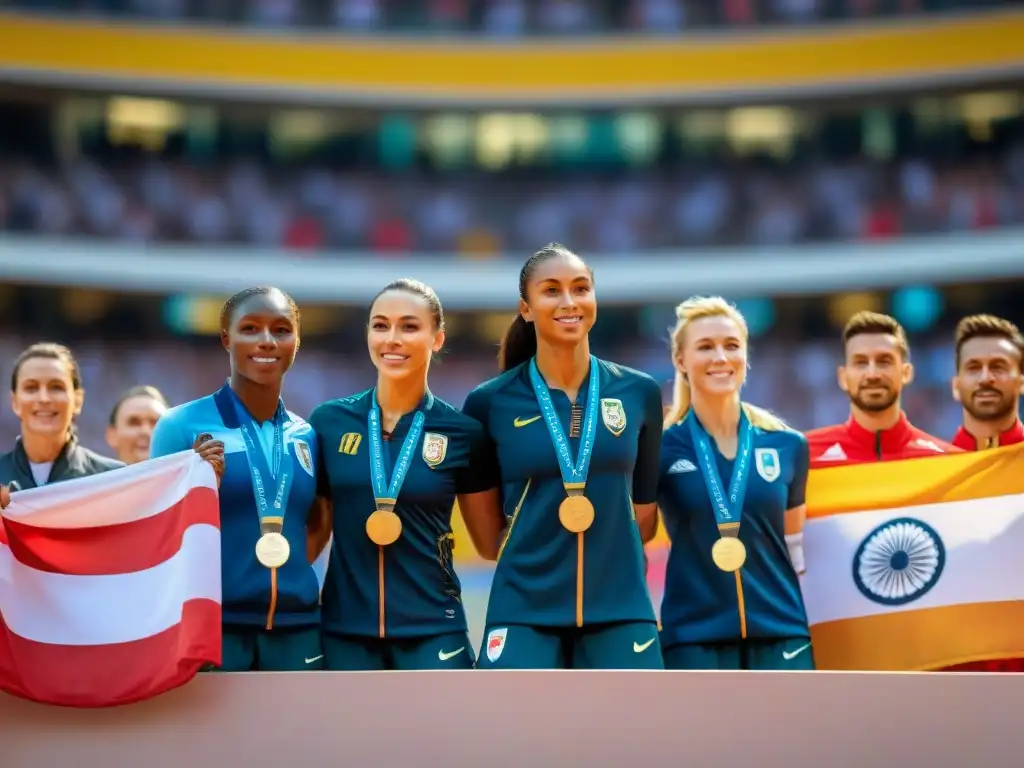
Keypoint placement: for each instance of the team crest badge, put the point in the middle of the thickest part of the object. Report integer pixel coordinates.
(304, 456)
(496, 643)
(767, 462)
(613, 415)
(435, 448)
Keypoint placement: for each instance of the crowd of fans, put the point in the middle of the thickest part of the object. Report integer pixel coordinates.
(794, 377)
(320, 209)
(503, 18)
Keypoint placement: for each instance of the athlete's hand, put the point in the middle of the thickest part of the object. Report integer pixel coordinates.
(212, 451)
(5, 493)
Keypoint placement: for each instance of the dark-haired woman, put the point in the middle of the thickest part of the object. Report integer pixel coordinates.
(574, 444)
(132, 421)
(46, 396)
(265, 458)
(394, 459)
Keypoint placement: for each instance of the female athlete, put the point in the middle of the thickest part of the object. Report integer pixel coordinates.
(392, 600)
(46, 396)
(574, 449)
(265, 455)
(132, 421)
(731, 493)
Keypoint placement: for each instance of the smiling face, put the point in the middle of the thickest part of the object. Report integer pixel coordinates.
(262, 338)
(989, 381)
(44, 398)
(875, 372)
(713, 355)
(560, 300)
(133, 427)
(402, 334)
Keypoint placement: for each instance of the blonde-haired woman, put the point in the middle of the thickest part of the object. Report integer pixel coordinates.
(731, 493)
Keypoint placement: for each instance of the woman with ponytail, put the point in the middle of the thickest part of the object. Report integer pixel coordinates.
(573, 446)
(46, 396)
(731, 493)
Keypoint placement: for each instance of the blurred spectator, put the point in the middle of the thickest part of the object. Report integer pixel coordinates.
(323, 210)
(502, 17)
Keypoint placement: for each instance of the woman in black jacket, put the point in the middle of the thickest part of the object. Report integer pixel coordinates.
(46, 396)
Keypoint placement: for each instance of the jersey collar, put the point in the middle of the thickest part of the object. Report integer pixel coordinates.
(884, 441)
(424, 405)
(966, 441)
(224, 399)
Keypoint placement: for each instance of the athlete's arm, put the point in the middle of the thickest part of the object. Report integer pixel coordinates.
(319, 525)
(478, 485)
(320, 521)
(168, 437)
(648, 464)
(796, 512)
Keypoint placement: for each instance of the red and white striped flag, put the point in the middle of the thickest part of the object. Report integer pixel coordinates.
(110, 586)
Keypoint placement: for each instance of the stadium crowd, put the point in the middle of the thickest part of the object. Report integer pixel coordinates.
(503, 18)
(323, 209)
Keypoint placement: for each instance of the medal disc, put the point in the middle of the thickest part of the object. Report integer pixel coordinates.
(383, 527)
(576, 514)
(273, 550)
(729, 554)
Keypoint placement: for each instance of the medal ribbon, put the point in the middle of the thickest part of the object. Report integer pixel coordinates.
(574, 476)
(271, 513)
(386, 493)
(728, 510)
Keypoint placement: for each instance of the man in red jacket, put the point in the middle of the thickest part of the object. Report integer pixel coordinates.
(988, 384)
(875, 369)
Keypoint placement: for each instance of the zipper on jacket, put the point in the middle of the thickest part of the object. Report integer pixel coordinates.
(878, 444)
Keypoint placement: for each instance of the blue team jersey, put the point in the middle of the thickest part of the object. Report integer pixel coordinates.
(543, 576)
(409, 588)
(703, 604)
(250, 596)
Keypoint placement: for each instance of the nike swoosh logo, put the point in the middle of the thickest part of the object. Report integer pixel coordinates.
(521, 422)
(445, 656)
(789, 655)
(641, 647)
(315, 658)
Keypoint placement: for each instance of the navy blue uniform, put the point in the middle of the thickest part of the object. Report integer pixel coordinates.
(753, 618)
(397, 606)
(560, 599)
(271, 619)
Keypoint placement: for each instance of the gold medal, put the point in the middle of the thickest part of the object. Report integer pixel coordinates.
(383, 527)
(273, 550)
(729, 553)
(576, 514)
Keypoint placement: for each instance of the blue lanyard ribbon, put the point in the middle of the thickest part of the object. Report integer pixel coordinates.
(386, 493)
(574, 476)
(728, 510)
(271, 513)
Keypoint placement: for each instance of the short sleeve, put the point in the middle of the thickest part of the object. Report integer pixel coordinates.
(323, 480)
(482, 472)
(169, 437)
(648, 455)
(802, 463)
